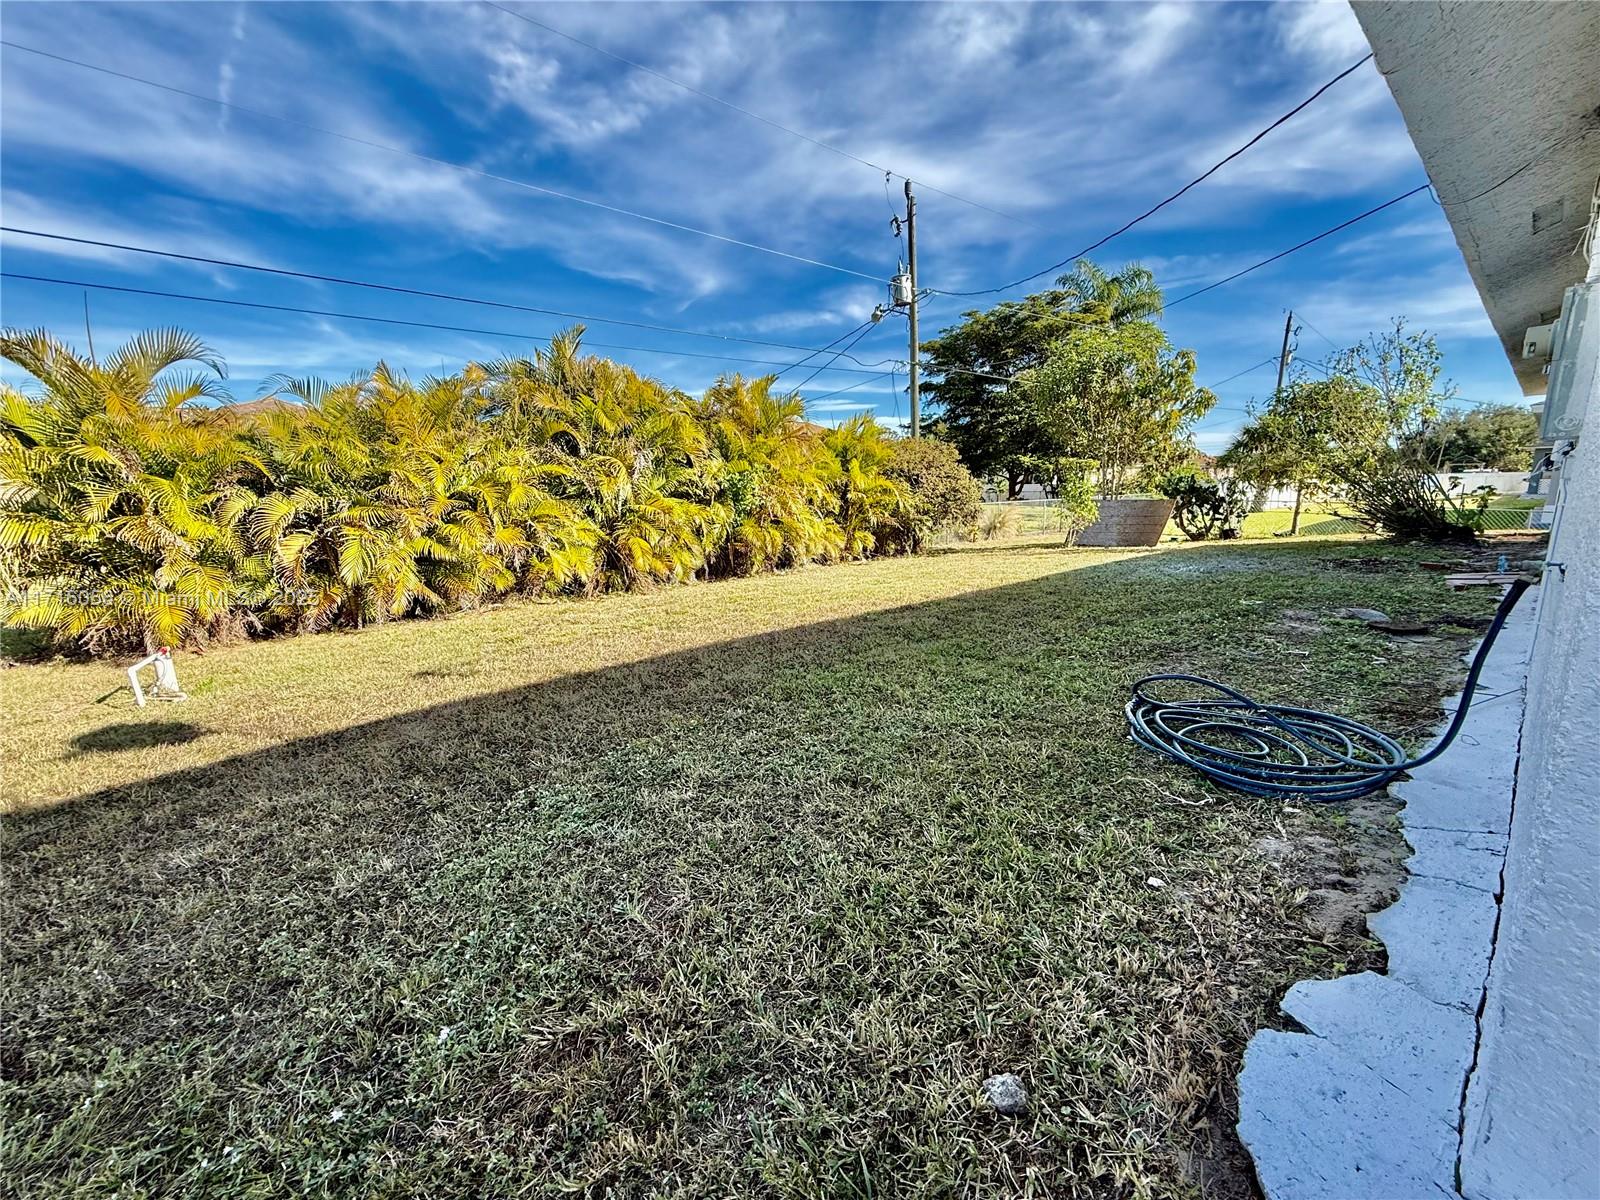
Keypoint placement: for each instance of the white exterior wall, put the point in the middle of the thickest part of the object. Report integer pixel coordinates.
(1532, 1128)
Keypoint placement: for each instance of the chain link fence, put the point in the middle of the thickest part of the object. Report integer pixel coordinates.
(1006, 520)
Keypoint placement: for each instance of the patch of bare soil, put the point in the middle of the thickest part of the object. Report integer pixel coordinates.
(1344, 878)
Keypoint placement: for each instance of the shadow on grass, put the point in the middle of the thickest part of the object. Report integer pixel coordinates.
(798, 860)
(1102, 625)
(136, 735)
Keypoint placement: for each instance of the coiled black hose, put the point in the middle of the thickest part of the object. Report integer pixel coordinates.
(1279, 750)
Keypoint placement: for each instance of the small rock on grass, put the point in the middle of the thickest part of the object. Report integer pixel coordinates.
(1006, 1094)
(1361, 614)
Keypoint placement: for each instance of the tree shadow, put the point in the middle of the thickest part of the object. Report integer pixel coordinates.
(136, 735)
(834, 813)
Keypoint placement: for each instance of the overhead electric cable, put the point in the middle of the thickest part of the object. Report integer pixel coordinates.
(1336, 348)
(1326, 233)
(836, 357)
(1211, 387)
(852, 387)
(343, 316)
(1210, 171)
(828, 347)
(754, 116)
(1299, 246)
(439, 162)
(406, 291)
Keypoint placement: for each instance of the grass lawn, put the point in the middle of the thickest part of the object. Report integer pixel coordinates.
(738, 889)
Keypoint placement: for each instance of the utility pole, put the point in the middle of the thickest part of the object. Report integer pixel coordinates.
(87, 330)
(911, 253)
(1284, 355)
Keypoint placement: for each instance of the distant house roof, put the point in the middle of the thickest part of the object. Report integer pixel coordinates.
(251, 410)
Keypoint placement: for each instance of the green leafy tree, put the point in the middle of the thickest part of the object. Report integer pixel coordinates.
(1308, 435)
(1500, 437)
(973, 366)
(1405, 370)
(1075, 506)
(1120, 395)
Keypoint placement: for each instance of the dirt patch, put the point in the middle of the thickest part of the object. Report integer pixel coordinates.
(1301, 620)
(1350, 864)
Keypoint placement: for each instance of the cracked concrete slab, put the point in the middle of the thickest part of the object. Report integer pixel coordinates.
(1367, 1104)
(1419, 1046)
(1321, 1125)
(1471, 859)
(1434, 805)
(1439, 936)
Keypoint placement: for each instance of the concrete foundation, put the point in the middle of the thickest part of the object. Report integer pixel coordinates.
(1366, 1104)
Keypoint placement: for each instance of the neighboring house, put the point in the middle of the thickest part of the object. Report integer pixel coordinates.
(1473, 1066)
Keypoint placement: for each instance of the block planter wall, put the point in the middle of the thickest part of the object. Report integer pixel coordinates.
(1128, 522)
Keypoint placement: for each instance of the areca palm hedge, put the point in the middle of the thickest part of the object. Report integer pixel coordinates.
(136, 512)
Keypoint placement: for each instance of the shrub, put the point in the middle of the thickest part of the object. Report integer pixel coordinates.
(1000, 521)
(945, 498)
(1076, 507)
(132, 517)
(1204, 507)
(1395, 495)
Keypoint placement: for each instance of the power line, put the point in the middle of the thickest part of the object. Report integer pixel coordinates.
(1301, 314)
(439, 162)
(1263, 363)
(1210, 171)
(754, 116)
(406, 291)
(828, 347)
(1237, 274)
(1300, 246)
(343, 316)
(834, 359)
(851, 388)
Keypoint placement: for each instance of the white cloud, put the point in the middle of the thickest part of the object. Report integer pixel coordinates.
(1324, 31)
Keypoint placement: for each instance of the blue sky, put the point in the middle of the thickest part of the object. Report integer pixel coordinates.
(1068, 118)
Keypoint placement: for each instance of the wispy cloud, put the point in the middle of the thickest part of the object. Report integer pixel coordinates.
(1072, 117)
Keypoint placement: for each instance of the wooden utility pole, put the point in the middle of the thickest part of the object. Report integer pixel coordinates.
(911, 253)
(1284, 355)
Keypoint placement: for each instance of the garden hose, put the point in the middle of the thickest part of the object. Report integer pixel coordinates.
(1280, 750)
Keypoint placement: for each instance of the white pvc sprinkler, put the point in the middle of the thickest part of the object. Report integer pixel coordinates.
(166, 687)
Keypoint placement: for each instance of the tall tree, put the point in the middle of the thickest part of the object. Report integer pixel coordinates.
(1405, 370)
(1101, 299)
(991, 420)
(1120, 395)
(1499, 437)
(1308, 433)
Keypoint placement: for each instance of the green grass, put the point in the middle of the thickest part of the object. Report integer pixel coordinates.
(739, 889)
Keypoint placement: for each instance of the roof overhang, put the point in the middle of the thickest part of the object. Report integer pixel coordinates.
(1503, 103)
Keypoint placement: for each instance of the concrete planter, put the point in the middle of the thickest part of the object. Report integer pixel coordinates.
(1128, 522)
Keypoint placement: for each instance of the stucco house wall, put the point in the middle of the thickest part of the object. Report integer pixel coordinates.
(1533, 1100)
